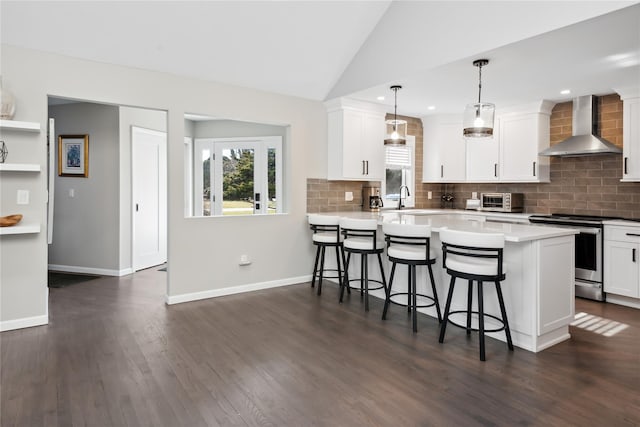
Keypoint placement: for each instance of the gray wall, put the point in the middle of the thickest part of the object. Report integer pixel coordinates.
(144, 118)
(86, 226)
(277, 244)
(234, 128)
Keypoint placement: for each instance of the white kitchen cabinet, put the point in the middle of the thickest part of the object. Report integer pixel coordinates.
(356, 140)
(631, 139)
(444, 149)
(483, 158)
(622, 261)
(523, 134)
(511, 155)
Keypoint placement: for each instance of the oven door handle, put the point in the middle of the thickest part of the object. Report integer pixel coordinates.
(588, 230)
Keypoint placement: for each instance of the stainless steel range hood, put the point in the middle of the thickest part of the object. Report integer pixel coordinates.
(585, 140)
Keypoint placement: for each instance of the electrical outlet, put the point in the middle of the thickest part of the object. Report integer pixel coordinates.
(244, 260)
(429, 195)
(72, 193)
(474, 194)
(348, 196)
(23, 197)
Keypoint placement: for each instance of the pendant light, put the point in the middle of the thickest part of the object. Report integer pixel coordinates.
(396, 129)
(478, 118)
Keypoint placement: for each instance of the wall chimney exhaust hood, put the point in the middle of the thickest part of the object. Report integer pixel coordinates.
(585, 140)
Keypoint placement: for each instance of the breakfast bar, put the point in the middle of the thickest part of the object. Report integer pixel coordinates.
(539, 264)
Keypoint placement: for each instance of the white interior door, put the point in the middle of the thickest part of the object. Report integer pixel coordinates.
(149, 180)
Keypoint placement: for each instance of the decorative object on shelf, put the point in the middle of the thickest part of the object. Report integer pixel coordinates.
(8, 103)
(396, 129)
(478, 117)
(73, 155)
(9, 220)
(3, 152)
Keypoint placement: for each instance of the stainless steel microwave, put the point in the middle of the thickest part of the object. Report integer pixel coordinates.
(502, 202)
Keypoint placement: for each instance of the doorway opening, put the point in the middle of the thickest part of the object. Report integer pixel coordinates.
(93, 223)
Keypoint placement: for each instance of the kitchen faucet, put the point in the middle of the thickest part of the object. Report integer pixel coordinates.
(400, 205)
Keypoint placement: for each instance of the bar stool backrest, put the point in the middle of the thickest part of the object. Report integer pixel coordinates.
(325, 227)
(406, 236)
(478, 251)
(362, 232)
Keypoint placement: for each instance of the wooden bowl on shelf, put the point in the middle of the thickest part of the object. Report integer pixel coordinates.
(9, 220)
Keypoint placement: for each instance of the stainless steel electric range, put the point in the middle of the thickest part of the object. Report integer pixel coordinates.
(589, 249)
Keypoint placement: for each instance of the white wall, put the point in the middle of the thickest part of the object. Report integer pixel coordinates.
(85, 226)
(203, 252)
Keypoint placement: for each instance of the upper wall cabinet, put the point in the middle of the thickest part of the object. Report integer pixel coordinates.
(356, 140)
(631, 135)
(483, 157)
(444, 149)
(511, 155)
(523, 134)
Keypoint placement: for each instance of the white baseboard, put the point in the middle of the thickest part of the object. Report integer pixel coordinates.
(25, 322)
(213, 293)
(90, 270)
(622, 300)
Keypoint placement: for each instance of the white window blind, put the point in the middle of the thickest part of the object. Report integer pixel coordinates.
(398, 157)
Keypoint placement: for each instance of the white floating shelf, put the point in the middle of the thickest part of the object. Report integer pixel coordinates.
(19, 167)
(23, 126)
(20, 229)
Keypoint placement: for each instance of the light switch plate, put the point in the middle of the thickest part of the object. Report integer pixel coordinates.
(23, 197)
(429, 195)
(348, 196)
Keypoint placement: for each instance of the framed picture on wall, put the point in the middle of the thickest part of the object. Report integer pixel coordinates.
(73, 155)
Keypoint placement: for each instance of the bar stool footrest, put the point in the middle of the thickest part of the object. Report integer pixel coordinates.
(370, 288)
(418, 305)
(475, 329)
(324, 276)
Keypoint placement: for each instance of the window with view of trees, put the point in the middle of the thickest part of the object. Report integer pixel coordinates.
(238, 176)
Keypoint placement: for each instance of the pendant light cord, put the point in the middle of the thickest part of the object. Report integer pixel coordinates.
(479, 81)
(395, 108)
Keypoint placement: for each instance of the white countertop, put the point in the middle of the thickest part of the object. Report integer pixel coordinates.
(464, 221)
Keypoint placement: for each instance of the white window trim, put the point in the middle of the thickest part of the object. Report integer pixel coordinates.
(409, 202)
(261, 145)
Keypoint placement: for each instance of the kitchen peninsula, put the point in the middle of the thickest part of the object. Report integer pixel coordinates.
(539, 263)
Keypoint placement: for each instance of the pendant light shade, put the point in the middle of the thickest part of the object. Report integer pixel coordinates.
(478, 117)
(396, 129)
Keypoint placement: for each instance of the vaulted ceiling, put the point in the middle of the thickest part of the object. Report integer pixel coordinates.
(324, 49)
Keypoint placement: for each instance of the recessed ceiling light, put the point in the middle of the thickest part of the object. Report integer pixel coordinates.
(431, 107)
(565, 92)
(380, 98)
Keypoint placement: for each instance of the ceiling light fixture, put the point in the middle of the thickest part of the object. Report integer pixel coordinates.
(396, 129)
(478, 117)
(380, 98)
(565, 92)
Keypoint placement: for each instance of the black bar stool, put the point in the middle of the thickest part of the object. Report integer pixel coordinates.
(326, 233)
(410, 244)
(361, 237)
(474, 257)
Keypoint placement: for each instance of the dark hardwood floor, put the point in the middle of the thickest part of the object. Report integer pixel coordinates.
(115, 355)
